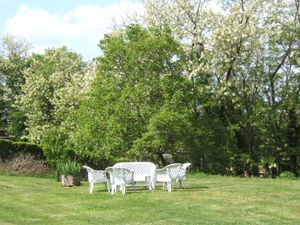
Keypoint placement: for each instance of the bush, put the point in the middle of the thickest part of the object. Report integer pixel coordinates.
(30, 148)
(69, 168)
(56, 146)
(241, 163)
(6, 149)
(287, 175)
(9, 149)
(25, 164)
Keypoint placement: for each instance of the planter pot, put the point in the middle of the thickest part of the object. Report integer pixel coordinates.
(246, 174)
(70, 180)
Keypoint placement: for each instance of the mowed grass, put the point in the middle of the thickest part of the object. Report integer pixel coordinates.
(205, 200)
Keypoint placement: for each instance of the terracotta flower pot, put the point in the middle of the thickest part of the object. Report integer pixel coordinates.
(70, 180)
(246, 174)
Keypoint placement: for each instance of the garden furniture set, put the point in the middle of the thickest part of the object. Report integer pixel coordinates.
(132, 173)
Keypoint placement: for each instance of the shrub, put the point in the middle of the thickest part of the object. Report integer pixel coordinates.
(287, 175)
(25, 163)
(6, 149)
(69, 168)
(56, 146)
(33, 149)
(241, 163)
(9, 149)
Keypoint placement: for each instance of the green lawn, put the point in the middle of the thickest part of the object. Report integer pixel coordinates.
(205, 200)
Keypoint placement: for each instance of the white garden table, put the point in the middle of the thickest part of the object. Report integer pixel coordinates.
(143, 171)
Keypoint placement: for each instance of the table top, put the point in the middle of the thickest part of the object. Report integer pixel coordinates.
(140, 169)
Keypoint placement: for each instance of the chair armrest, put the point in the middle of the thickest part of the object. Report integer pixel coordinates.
(160, 171)
(100, 172)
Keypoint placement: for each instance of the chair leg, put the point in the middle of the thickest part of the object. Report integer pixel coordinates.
(113, 188)
(180, 183)
(107, 186)
(169, 187)
(149, 183)
(152, 184)
(91, 187)
(123, 188)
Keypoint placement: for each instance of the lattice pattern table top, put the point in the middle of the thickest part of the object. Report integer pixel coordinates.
(139, 168)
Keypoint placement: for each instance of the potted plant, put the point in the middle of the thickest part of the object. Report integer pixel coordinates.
(69, 172)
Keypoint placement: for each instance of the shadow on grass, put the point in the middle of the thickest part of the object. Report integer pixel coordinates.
(140, 189)
(194, 188)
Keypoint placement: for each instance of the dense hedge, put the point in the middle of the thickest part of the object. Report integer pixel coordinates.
(9, 149)
(6, 149)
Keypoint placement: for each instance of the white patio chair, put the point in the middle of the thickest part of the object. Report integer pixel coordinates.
(182, 174)
(168, 174)
(119, 177)
(96, 176)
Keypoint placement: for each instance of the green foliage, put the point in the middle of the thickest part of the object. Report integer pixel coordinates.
(31, 148)
(214, 145)
(167, 132)
(287, 175)
(218, 89)
(245, 78)
(14, 59)
(9, 149)
(55, 145)
(241, 163)
(136, 79)
(3, 107)
(16, 126)
(69, 168)
(53, 88)
(6, 149)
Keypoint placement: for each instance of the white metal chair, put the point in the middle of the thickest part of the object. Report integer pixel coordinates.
(167, 174)
(96, 176)
(119, 177)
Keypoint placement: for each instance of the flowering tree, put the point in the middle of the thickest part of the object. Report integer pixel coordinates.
(54, 85)
(243, 66)
(14, 59)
